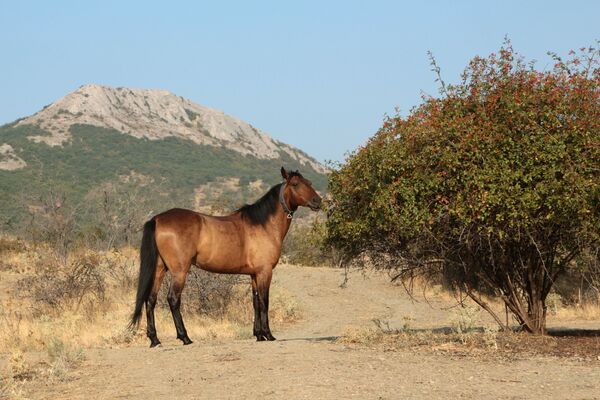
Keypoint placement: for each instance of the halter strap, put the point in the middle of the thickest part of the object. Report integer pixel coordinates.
(289, 213)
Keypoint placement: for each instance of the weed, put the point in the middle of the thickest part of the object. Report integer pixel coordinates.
(465, 318)
(63, 358)
(363, 336)
(59, 350)
(19, 368)
(11, 389)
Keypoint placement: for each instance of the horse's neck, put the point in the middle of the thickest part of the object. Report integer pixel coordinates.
(280, 224)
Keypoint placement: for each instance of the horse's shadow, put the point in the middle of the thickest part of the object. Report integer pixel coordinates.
(311, 339)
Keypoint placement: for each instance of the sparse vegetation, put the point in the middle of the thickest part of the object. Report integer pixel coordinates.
(58, 288)
(477, 342)
(63, 357)
(97, 157)
(91, 292)
(304, 244)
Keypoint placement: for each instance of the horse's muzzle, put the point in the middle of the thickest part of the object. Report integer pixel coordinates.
(315, 204)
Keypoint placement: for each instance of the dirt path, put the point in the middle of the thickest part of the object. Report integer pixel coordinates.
(305, 363)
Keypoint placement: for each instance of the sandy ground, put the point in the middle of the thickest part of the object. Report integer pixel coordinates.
(307, 363)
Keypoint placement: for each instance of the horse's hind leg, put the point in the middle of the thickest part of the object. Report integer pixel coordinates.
(151, 302)
(174, 299)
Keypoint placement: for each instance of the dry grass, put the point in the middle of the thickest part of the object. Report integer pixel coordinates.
(487, 343)
(96, 312)
(470, 314)
(474, 341)
(584, 312)
(51, 309)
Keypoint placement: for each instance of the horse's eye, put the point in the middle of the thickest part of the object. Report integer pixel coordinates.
(295, 184)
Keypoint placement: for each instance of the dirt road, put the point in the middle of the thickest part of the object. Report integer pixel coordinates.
(307, 363)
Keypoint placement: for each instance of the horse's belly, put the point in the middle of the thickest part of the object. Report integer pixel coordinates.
(221, 263)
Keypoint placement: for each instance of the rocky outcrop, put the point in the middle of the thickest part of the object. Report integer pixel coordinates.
(9, 161)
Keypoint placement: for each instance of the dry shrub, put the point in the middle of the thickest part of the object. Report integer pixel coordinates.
(483, 342)
(16, 372)
(209, 293)
(80, 281)
(19, 368)
(304, 244)
(465, 319)
(10, 247)
(63, 357)
(228, 297)
(11, 244)
(11, 328)
(12, 389)
(120, 267)
(85, 299)
(284, 307)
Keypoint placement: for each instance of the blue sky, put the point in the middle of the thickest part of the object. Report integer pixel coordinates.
(319, 75)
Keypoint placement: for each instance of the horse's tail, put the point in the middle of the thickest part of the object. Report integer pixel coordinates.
(148, 256)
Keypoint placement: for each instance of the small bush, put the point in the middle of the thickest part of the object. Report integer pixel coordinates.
(284, 307)
(59, 350)
(20, 369)
(465, 319)
(63, 358)
(11, 389)
(11, 244)
(305, 245)
(54, 287)
(206, 293)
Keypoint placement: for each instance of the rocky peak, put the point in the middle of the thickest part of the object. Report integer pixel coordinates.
(156, 114)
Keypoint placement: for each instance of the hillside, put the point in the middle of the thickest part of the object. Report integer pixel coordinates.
(173, 147)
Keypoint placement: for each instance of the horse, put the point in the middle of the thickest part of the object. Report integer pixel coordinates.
(247, 241)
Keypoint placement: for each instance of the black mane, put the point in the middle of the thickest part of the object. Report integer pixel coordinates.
(259, 212)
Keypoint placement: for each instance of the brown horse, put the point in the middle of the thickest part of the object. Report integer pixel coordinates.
(247, 241)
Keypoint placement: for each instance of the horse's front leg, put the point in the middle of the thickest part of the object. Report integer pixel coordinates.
(261, 299)
(256, 331)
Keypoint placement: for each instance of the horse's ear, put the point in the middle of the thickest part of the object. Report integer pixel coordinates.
(284, 173)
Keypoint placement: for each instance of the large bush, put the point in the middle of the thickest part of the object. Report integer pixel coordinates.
(493, 187)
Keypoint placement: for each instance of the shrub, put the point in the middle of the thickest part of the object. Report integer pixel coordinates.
(494, 186)
(207, 293)
(305, 244)
(55, 286)
(63, 357)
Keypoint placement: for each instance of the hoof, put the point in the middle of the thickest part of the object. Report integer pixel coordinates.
(186, 340)
(270, 337)
(154, 343)
(265, 336)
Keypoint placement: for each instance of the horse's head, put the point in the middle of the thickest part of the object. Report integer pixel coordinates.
(299, 191)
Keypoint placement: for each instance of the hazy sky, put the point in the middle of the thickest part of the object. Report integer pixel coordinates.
(319, 75)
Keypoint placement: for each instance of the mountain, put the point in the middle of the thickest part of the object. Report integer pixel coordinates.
(155, 115)
(99, 135)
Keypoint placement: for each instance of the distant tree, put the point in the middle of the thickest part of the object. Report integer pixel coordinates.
(493, 187)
